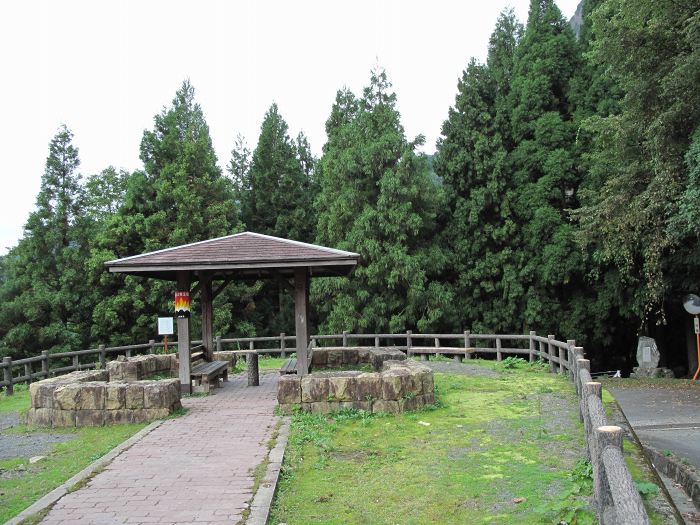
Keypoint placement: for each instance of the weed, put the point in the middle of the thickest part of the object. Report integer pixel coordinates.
(667, 453)
(409, 395)
(646, 488)
(512, 363)
(582, 476)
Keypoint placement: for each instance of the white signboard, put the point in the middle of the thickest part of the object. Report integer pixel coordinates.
(165, 326)
(646, 354)
(697, 325)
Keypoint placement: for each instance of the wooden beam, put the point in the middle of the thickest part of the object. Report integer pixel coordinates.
(184, 280)
(301, 318)
(206, 298)
(221, 287)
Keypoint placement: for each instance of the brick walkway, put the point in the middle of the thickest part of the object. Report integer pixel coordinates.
(193, 469)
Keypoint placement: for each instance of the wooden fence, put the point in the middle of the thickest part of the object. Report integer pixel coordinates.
(616, 498)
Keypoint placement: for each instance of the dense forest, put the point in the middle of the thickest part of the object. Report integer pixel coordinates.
(563, 197)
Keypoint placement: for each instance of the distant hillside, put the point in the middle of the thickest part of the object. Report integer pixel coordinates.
(577, 19)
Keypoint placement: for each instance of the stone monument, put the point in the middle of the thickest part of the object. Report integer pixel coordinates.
(648, 360)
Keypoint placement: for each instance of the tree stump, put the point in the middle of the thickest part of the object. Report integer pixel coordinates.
(253, 374)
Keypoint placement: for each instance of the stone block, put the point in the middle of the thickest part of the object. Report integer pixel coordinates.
(369, 386)
(342, 387)
(115, 395)
(321, 407)
(172, 387)
(89, 418)
(63, 418)
(428, 385)
(386, 406)
(410, 403)
(115, 371)
(393, 385)
(287, 409)
(156, 413)
(319, 358)
(89, 375)
(314, 388)
(356, 405)
(363, 355)
(289, 389)
(41, 394)
(66, 397)
(350, 356)
(155, 395)
(335, 358)
(134, 396)
(39, 417)
(429, 399)
(91, 396)
(117, 417)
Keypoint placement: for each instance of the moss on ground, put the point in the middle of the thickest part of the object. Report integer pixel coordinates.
(494, 450)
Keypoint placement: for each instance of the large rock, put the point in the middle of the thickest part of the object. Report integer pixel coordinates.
(134, 396)
(369, 386)
(314, 388)
(41, 394)
(379, 356)
(89, 418)
(39, 417)
(343, 386)
(115, 395)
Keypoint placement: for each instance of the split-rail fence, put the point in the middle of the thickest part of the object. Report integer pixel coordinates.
(616, 498)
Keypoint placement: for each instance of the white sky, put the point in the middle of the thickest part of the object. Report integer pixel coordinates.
(106, 68)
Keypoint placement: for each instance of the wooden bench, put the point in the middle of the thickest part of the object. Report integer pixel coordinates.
(206, 374)
(290, 365)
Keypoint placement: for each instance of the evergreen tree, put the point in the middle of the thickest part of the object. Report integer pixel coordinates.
(181, 197)
(377, 199)
(43, 290)
(279, 187)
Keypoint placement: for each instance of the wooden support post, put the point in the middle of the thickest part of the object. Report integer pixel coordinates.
(206, 298)
(251, 346)
(217, 344)
(467, 344)
(583, 364)
(183, 338)
(252, 365)
(28, 372)
(532, 345)
(409, 343)
(570, 343)
(499, 356)
(76, 362)
(45, 363)
(345, 338)
(128, 352)
(550, 353)
(103, 357)
(283, 346)
(151, 346)
(301, 318)
(376, 341)
(7, 376)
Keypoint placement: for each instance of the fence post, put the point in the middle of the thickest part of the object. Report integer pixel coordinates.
(437, 346)
(376, 341)
(283, 346)
(591, 388)
(217, 342)
(76, 362)
(409, 343)
(467, 344)
(7, 375)
(345, 338)
(561, 360)
(499, 357)
(103, 357)
(251, 346)
(151, 346)
(570, 343)
(45, 363)
(550, 352)
(583, 364)
(606, 436)
(532, 345)
(128, 352)
(28, 372)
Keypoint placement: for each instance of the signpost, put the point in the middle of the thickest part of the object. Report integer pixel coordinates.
(165, 328)
(691, 303)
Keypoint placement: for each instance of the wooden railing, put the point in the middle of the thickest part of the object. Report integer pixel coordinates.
(616, 498)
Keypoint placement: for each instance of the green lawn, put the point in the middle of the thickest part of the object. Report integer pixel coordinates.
(504, 449)
(21, 484)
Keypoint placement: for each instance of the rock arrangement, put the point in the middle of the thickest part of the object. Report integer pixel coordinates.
(88, 398)
(139, 367)
(338, 357)
(400, 386)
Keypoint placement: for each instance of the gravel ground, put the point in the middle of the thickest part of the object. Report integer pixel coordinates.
(28, 444)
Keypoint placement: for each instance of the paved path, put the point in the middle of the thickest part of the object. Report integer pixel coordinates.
(666, 419)
(193, 469)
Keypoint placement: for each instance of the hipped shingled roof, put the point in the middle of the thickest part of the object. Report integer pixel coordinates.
(243, 255)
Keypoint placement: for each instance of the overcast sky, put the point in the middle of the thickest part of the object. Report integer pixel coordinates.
(106, 68)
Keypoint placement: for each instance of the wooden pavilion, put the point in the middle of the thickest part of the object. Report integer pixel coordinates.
(243, 256)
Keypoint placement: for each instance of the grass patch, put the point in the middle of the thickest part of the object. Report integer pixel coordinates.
(19, 402)
(265, 362)
(23, 483)
(494, 450)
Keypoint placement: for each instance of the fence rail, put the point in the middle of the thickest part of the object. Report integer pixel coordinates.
(615, 496)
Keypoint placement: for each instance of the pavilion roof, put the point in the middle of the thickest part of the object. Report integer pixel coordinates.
(243, 255)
